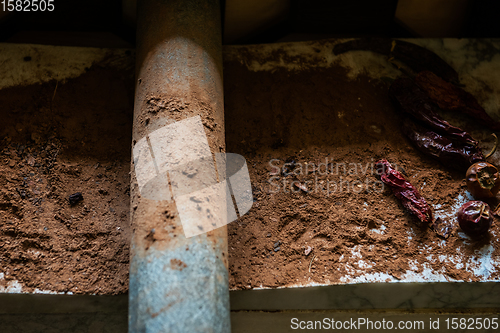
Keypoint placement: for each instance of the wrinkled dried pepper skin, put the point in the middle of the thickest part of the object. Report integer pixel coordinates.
(414, 56)
(409, 98)
(443, 227)
(452, 98)
(451, 153)
(406, 193)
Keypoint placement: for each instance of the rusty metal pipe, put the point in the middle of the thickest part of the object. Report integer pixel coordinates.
(177, 284)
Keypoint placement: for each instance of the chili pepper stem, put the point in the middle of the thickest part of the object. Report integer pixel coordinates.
(494, 149)
(310, 263)
(400, 67)
(495, 211)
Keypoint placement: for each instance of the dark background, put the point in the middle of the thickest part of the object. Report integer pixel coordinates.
(102, 23)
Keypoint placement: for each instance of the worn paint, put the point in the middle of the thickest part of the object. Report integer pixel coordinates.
(177, 284)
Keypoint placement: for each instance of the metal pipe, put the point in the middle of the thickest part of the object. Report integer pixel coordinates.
(177, 284)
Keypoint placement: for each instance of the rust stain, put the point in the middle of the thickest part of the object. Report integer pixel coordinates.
(149, 239)
(177, 264)
(166, 307)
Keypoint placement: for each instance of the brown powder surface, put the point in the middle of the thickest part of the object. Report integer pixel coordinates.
(58, 139)
(354, 229)
(76, 138)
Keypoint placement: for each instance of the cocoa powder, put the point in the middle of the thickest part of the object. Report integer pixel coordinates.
(320, 115)
(59, 139)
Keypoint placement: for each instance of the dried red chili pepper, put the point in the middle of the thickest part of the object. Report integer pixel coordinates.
(450, 97)
(475, 218)
(409, 98)
(414, 56)
(451, 153)
(483, 180)
(403, 190)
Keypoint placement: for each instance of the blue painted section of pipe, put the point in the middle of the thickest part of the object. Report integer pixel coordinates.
(176, 290)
